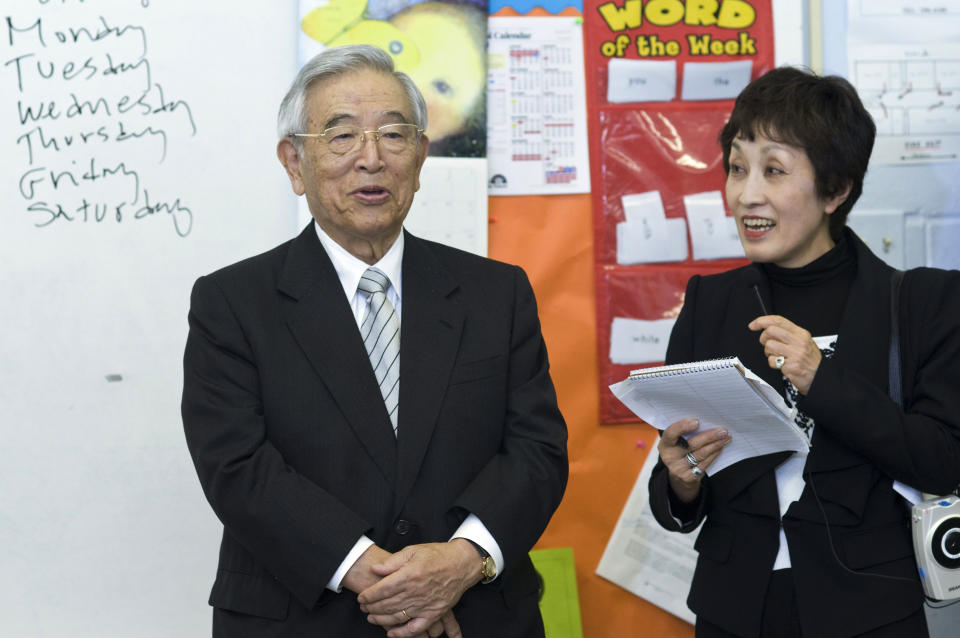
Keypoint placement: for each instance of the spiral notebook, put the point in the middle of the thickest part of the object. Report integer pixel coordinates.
(720, 393)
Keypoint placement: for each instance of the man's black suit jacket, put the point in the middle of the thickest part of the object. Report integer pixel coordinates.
(861, 443)
(296, 453)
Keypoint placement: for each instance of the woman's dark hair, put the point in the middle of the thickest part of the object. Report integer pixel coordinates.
(822, 115)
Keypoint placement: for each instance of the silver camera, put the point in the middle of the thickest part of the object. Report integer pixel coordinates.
(936, 541)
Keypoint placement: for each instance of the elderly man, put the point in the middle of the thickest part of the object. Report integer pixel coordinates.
(370, 414)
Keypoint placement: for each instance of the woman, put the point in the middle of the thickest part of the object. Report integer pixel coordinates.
(812, 544)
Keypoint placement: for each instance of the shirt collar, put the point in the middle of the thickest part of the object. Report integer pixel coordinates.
(349, 269)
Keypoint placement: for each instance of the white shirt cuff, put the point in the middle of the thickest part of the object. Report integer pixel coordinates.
(336, 583)
(472, 529)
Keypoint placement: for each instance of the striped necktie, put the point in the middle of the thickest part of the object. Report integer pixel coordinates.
(380, 331)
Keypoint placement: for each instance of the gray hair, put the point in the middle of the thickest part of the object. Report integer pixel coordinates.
(292, 117)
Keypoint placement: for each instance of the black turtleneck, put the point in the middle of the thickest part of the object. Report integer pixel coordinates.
(813, 296)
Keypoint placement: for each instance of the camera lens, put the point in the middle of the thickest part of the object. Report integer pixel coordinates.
(951, 543)
(945, 545)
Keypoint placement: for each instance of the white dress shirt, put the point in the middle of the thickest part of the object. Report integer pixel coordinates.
(349, 269)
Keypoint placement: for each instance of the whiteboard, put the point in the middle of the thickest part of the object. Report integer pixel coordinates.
(925, 196)
(165, 111)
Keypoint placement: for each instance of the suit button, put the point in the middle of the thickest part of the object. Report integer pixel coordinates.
(402, 527)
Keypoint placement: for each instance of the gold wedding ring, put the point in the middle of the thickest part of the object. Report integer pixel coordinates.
(406, 618)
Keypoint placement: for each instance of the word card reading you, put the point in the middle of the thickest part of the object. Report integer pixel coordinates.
(641, 80)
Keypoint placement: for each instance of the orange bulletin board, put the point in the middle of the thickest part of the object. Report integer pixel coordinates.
(551, 237)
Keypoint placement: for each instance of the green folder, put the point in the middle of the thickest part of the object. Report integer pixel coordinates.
(560, 604)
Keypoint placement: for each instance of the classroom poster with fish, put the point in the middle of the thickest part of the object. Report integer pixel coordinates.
(440, 45)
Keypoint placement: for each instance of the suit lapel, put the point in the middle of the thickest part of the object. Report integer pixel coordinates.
(320, 319)
(430, 328)
(865, 324)
(861, 346)
(744, 308)
(749, 485)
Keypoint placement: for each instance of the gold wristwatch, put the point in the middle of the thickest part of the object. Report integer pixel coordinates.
(488, 568)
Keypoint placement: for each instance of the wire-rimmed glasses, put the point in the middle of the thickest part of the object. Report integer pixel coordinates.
(395, 138)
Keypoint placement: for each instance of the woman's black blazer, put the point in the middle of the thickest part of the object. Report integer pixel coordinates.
(850, 545)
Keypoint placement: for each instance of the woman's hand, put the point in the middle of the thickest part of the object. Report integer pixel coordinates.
(704, 447)
(789, 348)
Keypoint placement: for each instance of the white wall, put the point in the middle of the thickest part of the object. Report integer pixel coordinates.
(103, 527)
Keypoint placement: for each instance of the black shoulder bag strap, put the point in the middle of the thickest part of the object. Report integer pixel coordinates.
(893, 367)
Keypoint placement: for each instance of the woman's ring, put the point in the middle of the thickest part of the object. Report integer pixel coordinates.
(691, 459)
(696, 471)
(406, 618)
(779, 361)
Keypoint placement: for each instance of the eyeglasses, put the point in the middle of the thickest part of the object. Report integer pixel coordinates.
(395, 138)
